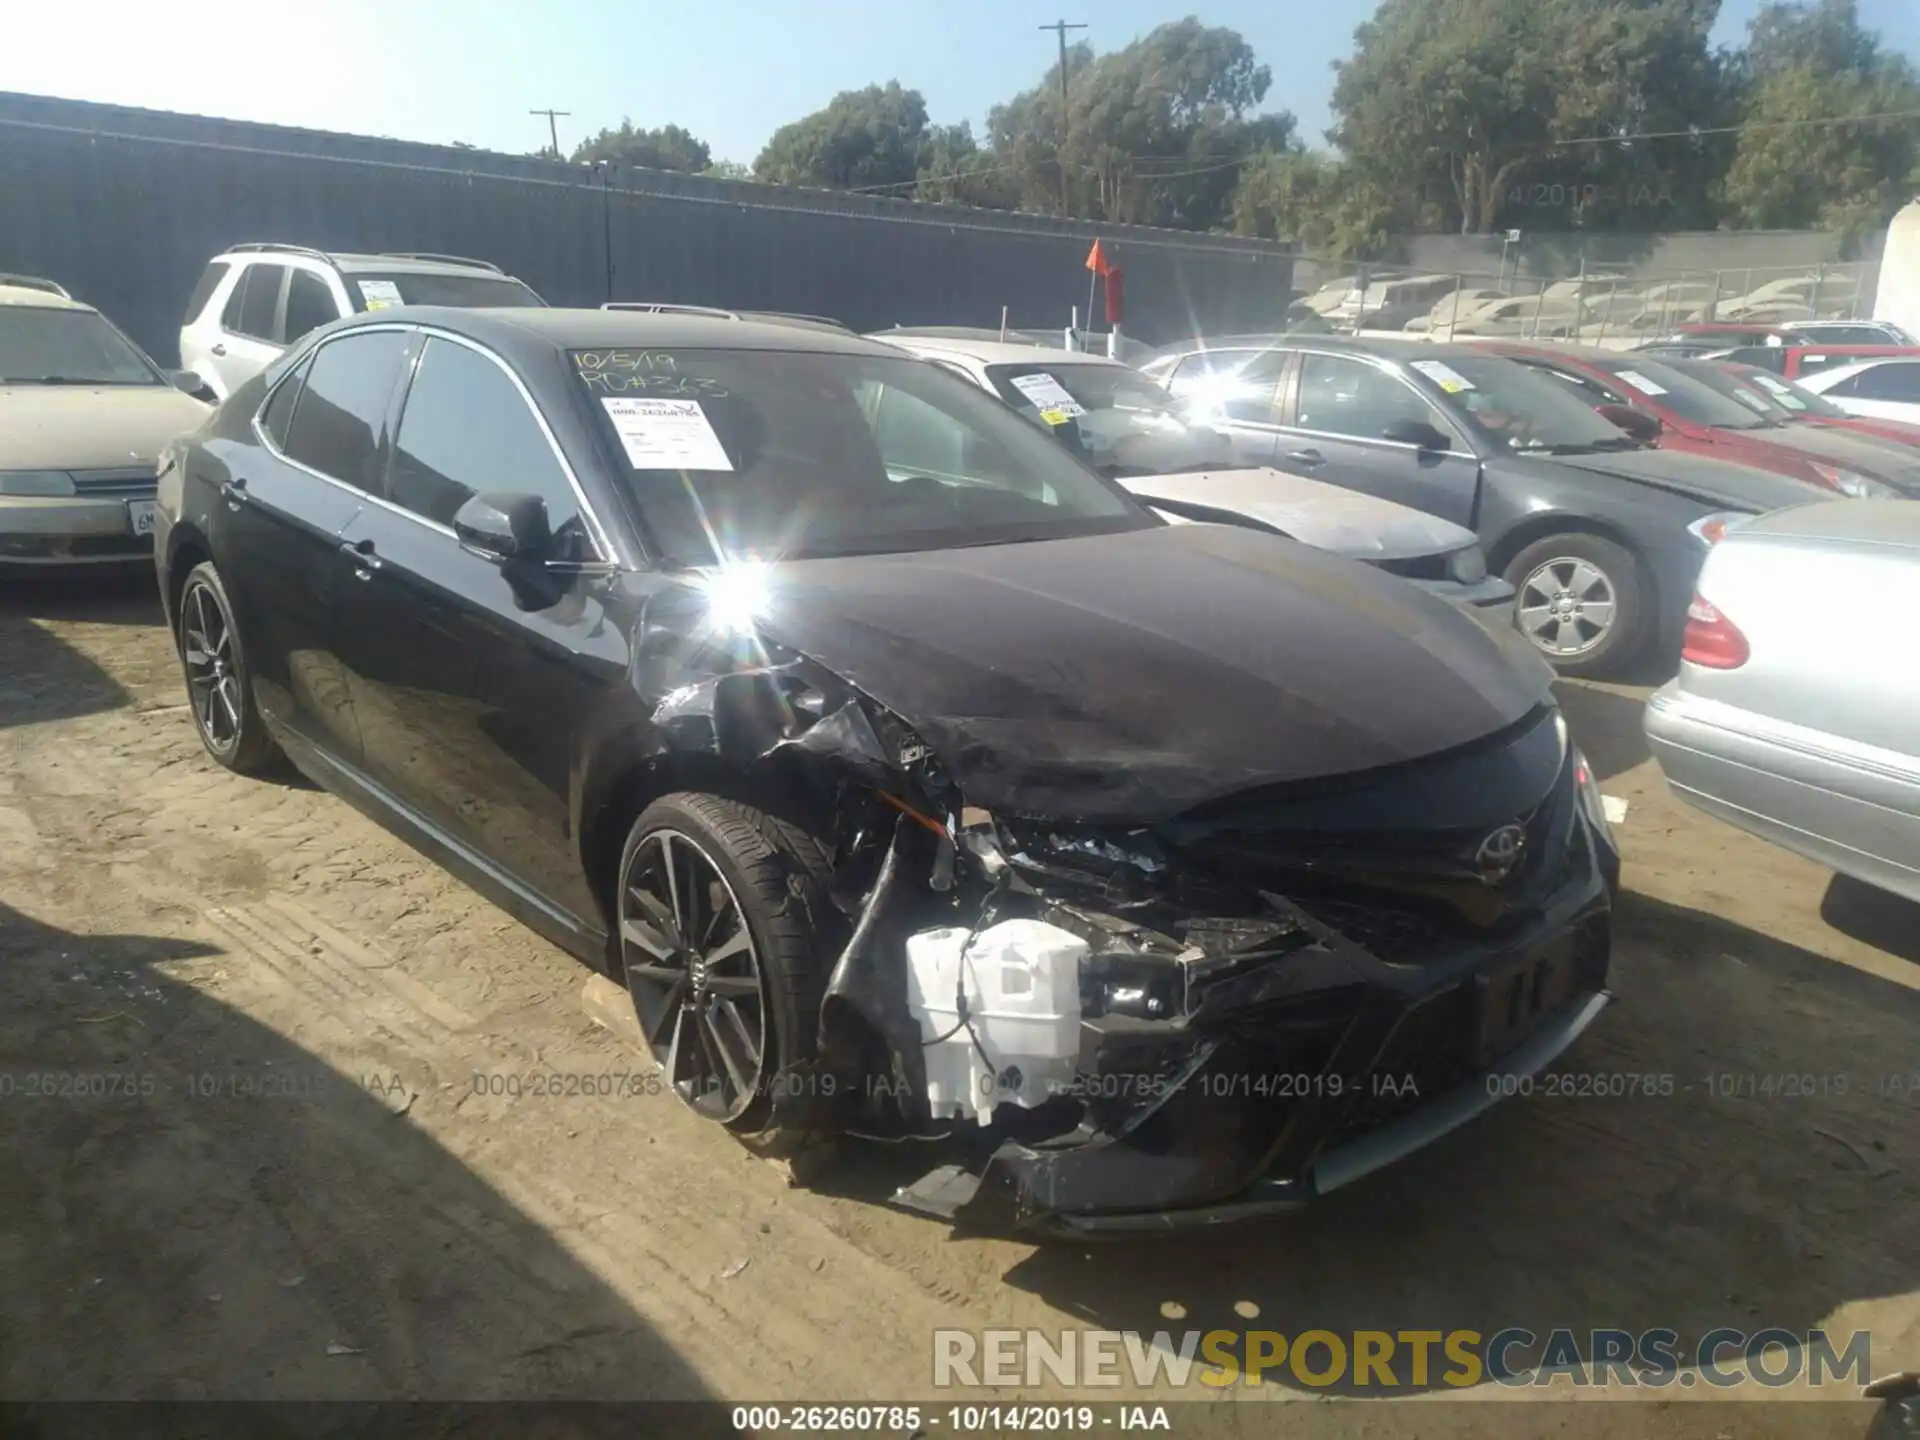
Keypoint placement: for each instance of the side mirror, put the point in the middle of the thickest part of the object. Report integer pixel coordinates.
(501, 525)
(1637, 423)
(1417, 433)
(189, 382)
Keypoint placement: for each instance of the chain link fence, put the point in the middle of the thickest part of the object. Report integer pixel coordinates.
(1591, 307)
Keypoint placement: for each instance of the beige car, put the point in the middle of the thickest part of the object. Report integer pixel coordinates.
(84, 415)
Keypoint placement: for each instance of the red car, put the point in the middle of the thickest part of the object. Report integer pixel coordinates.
(1791, 332)
(1656, 401)
(1788, 401)
(1796, 360)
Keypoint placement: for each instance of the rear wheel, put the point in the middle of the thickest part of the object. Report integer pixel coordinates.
(718, 908)
(1580, 600)
(218, 687)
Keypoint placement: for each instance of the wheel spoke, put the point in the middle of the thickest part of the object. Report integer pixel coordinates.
(676, 1050)
(1566, 635)
(673, 888)
(745, 986)
(725, 1064)
(206, 713)
(1584, 580)
(671, 1009)
(225, 690)
(665, 975)
(719, 905)
(1597, 613)
(661, 917)
(1536, 617)
(737, 1024)
(739, 943)
(649, 939)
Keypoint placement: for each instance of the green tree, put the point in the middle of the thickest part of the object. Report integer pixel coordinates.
(1801, 162)
(861, 139)
(1154, 133)
(1468, 108)
(667, 148)
(1322, 204)
(955, 170)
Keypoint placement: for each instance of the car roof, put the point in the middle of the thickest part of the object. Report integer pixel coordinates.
(524, 327)
(1359, 345)
(35, 294)
(1859, 363)
(1865, 352)
(994, 352)
(356, 262)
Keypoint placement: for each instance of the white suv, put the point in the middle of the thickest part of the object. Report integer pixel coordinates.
(255, 300)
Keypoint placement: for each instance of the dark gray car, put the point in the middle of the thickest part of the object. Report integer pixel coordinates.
(1601, 535)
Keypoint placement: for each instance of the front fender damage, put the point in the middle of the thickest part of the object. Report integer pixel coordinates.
(1092, 1018)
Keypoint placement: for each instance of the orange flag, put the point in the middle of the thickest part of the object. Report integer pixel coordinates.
(1097, 260)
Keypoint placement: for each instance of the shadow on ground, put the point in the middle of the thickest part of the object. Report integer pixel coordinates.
(42, 677)
(194, 1208)
(1878, 918)
(1683, 1210)
(1606, 725)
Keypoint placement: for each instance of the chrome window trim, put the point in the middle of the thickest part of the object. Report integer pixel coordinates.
(596, 533)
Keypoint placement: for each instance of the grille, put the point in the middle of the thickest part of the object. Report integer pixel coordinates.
(1395, 934)
(131, 484)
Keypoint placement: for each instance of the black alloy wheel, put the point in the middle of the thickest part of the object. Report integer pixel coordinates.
(230, 726)
(694, 974)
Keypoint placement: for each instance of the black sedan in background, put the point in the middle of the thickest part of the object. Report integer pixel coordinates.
(1601, 535)
(761, 666)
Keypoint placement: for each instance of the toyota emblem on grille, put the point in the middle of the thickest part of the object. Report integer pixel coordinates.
(1499, 853)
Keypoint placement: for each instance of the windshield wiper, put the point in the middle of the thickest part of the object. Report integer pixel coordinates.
(1584, 447)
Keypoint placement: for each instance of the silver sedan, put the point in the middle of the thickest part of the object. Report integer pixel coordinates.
(1794, 716)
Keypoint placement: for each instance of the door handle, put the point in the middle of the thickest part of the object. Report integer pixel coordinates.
(219, 349)
(365, 562)
(1308, 458)
(234, 491)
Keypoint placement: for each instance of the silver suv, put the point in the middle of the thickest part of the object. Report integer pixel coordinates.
(255, 300)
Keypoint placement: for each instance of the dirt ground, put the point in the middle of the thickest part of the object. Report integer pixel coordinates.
(254, 1163)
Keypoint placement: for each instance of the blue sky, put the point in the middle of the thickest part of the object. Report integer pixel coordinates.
(729, 70)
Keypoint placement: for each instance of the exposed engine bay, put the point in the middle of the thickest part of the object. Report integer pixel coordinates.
(1138, 1022)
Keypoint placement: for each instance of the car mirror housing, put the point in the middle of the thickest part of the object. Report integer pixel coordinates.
(188, 382)
(1418, 433)
(504, 525)
(1637, 423)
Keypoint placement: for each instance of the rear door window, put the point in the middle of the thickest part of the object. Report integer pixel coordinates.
(253, 308)
(339, 426)
(277, 418)
(210, 279)
(310, 304)
(1339, 396)
(1884, 382)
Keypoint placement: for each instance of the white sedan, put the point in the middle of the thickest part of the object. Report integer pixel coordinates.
(1887, 386)
(1793, 716)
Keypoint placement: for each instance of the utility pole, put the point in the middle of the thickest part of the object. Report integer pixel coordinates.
(1060, 29)
(553, 128)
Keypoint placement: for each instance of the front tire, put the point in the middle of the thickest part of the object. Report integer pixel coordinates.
(1581, 600)
(719, 910)
(215, 668)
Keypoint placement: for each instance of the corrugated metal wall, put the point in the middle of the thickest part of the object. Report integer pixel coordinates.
(124, 207)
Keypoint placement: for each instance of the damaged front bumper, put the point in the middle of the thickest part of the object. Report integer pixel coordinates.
(1247, 1130)
(1318, 1063)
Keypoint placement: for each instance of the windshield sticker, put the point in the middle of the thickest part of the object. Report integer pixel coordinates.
(1641, 382)
(1752, 401)
(1776, 386)
(1445, 376)
(379, 294)
(1049, 397)
(667, 435)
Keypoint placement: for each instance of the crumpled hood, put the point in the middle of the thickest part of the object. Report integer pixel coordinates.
(1718, 482)
(105, 427)
(1327, 517)
(1131, 677)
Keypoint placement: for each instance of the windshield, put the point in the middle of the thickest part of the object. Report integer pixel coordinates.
(1518, 406)
(780, 454)
(68, 347)
(1115, 419)
(1687, 396)
(1787, 396)
(464, 292)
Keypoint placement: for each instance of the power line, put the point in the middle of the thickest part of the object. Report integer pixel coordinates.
(1060, 29)
(553, 128)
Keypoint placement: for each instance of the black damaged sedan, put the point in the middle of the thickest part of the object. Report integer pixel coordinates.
(912, 778)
